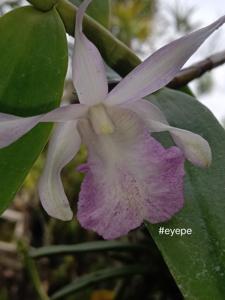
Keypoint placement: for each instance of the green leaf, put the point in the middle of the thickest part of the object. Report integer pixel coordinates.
(86, 247)
(33, 64)
(98, 276)
(197, 261)
(98, 10)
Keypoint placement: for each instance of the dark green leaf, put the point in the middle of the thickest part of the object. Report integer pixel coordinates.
(95, 277)
(33, 64)
(98, 10)
(197, 261)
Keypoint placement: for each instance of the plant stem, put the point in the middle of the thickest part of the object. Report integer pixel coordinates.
(43, 5)
(197, 70)
(117, 55)
(30, 266)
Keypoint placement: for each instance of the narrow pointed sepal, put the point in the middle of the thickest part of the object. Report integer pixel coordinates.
(89, 76)
(161, 67)
(13, 127)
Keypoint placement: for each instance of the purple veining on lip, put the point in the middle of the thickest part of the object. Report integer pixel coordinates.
(112, 207)
(120, 192)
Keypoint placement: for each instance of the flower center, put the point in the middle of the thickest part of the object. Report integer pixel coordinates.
(100, 120)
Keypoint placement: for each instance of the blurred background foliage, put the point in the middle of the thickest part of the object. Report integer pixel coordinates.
(129, 20)
(132, 19)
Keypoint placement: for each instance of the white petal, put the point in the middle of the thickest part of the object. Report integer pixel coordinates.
(161, 67)
(13, 127)
(63, 146)
(89, 76)
(65, 113)
(195, 148)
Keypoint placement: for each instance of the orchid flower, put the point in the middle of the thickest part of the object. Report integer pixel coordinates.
(130, 177)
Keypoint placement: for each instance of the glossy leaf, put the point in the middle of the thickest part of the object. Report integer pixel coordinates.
(197, 261)
(33, 64)
(98, 10)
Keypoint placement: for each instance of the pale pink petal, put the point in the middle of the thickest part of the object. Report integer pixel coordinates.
(7, 117)
(130, 177)
(13, 127)
(63, 146)
(161, 67)
(196, 149)
(89, 76)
